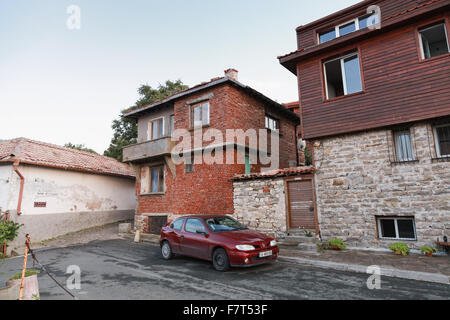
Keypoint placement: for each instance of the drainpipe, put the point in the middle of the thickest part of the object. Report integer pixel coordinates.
(22, 181)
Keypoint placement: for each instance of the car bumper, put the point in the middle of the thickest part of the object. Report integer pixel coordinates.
(247, 259)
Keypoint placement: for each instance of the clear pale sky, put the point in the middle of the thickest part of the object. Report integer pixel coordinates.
(59, 85)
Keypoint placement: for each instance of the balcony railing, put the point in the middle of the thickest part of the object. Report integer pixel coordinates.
(148, 150)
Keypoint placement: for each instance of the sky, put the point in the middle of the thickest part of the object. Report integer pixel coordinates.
(61, 84)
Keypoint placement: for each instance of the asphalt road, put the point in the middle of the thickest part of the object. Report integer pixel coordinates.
(120, 269)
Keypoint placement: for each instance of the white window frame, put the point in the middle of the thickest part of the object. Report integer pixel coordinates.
(150, 128)
(337, 27)
(380, 233)
(275, 120)
(436, 141)
(343, 75)
(192, 114)
(420, 30)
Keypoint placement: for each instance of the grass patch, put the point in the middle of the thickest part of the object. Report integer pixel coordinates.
(28, 273)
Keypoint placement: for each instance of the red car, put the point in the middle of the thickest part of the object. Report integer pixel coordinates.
(219, 239)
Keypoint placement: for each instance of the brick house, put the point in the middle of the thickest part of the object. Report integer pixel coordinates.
(164, 188)
(374, 91)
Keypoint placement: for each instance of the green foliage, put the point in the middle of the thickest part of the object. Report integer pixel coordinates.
(8, 231)
(28, 273)
(339, 243)
(308, 157)
(125, 130)
(427, 250)
(400, 247)
(308, 234)
(80, 147)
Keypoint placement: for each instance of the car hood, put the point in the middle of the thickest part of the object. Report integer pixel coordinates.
(244, 236)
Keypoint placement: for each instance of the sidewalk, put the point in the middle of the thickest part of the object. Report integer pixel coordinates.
(414, 266)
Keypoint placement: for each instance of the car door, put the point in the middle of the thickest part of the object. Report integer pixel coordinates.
(192, 243)
(176, 234)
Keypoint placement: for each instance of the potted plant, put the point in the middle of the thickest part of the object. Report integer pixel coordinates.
(336, 244)
(399, 248)
(428, 251)
(30, 284)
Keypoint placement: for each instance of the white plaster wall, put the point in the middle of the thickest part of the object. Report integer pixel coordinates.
(69, 191)
(5, 186)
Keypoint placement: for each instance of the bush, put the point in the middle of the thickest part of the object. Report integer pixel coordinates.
(427, 250)
(8, 231)
(400, 247)
(339, 243)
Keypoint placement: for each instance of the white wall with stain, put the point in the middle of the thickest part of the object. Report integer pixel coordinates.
(5, 186)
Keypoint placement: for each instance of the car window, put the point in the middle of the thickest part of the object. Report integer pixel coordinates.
(220, 224)
(178, 224)
(192, 225)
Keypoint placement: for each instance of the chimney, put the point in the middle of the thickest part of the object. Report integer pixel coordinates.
(232, 74)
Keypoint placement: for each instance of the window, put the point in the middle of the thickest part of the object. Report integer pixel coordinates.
(224, 224)
(188, 167)
(171, 125)
(157, 179)
(192, 225)
(397, 228)
(156, 129)
(178, 224)
(272, 123)
(248, 167)
(403, 146)
(348, 27)
(343, 76)
(200, 115)
(433, 41)
(442, 140)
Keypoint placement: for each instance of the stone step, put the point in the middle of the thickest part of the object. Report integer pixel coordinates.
(300, 239)
(311, 247)
(300, 232)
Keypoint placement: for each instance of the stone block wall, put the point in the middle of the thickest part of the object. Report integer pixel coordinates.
(356, 182)
(261, 205)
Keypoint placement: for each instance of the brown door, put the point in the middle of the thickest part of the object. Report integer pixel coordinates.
(301, 204)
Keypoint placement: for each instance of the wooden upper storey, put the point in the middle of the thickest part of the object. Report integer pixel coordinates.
(397, 85)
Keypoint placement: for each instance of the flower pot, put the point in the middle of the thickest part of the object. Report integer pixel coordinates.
(30, 287)
(335, 248)
(398, 253)
(429, 254)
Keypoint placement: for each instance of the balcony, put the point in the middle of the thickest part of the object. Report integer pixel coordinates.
(148, 150)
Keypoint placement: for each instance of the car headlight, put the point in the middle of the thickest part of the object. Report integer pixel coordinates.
(273, 243)
(245, 247)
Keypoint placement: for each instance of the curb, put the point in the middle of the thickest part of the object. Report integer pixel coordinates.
(393, 273)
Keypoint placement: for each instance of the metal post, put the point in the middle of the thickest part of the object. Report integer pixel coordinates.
(27, 243)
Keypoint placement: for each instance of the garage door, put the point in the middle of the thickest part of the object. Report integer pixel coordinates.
(301, 204)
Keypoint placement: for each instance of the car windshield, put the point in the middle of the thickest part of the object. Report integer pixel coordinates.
(222, 224)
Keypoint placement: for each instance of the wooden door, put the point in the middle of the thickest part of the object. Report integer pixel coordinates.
(301, 204)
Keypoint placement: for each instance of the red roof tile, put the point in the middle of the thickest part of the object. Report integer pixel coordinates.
(275, 173)
(48, 155)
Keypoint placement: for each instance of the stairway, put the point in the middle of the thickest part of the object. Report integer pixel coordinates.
(301, 239)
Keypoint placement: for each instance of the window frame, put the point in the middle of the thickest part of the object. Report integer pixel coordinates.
(150, 128)
(429, 26)
(267, 119)
(161, 186)
(343, 74)
(192, 114)
(395, 134)
(182, 224)
(436, 141)
(200, 220)
(171, 125)
(380, 235)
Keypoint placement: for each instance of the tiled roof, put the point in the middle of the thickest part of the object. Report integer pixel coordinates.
(275, 173)
(423, 4)
(48, 155)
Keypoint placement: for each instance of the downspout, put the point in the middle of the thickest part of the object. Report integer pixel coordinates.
(22, 181)
(296, 145)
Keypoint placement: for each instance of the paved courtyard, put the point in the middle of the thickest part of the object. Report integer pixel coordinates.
(121, 269)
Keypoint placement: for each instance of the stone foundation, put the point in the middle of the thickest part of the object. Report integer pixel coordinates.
(356, 182)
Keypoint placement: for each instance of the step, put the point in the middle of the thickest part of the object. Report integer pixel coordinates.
(311, 247)
(300, 239)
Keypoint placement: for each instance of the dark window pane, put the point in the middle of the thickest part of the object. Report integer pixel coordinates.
(335, 84)
(388, 228)
(444, 140)
(327, 35)
(346, 29)
(406, 229)
(178, 224)
(434, 41)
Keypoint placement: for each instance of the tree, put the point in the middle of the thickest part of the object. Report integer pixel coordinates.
(80, 147)
(124, 129)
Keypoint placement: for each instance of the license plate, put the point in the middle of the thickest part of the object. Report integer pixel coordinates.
(265, 254)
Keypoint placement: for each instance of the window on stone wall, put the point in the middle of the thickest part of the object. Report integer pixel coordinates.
(403, 147)
(442, 140)
(396, 228)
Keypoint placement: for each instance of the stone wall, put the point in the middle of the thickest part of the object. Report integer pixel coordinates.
(356, 182)
(261, 205)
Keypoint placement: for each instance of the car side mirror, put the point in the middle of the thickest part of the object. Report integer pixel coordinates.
(200, 231)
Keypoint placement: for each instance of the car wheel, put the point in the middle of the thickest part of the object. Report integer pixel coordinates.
(166, 250)
(220, 260)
